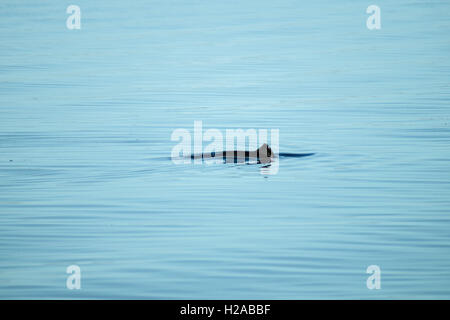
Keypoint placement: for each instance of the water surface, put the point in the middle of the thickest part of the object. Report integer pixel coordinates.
(85, 123)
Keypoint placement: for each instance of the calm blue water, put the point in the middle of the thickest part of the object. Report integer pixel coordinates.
(85, 123)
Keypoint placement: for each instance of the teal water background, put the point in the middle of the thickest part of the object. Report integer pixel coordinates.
(85, 123)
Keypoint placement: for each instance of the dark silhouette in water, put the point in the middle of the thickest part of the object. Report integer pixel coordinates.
(263, 155)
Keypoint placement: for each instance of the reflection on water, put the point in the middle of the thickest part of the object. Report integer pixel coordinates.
(86, 177)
